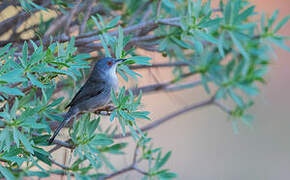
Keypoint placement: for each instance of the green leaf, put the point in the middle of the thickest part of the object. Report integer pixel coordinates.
(35, 5)
(24, 54)
(198, 46)
(56, 102)
(94, 162)
(262, 22)
(248, 89)
(162, 161)
(104, 44)
(93, 125)
(6, 173)
(15, 138)
(114, 98)
(101, 140)
(227, 12)
(281, 23)
(43, 158)
(239, 46)
(107, 162)
(206, 37)
(4, 49)
(24, 141)
(204, 83)
(273, 18)
(141, 114)
(120, 43)
(220, 45)
(13, 76)
(14, 108)
(180, 43)
(114, 22)
(40, 174)
(280, 43)
(35, 81)
(167, 175)
(236, 98)
(168, 3)
(141, 60)
(11, 91)
(245, 14)
(212, 22)
(97, 23)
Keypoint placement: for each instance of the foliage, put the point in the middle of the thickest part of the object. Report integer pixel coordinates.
(228, 49)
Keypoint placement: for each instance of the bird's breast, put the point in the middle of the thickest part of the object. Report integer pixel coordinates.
(113, 79)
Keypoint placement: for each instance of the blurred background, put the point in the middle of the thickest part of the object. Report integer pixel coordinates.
(203, 143)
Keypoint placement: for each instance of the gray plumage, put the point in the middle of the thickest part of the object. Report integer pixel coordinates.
(96, 92)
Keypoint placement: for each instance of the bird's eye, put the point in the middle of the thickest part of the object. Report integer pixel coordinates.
(110, 63)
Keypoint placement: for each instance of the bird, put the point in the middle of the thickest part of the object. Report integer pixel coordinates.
(96, 91)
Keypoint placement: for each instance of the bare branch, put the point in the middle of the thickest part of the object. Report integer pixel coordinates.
(128, 29)
(160, 86)
(58, 164)
(121, 171)
(71, 15)
(169, 117)
(160, 65)
(158, 8)
(87, 16)
(222, 107)
(132, 166)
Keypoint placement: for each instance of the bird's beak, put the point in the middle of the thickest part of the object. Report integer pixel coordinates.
(120, 60)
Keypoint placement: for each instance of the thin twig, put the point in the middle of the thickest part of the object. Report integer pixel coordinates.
(128, 29)
(158, 8)
(160, 86)
(140, 171)
(58, 164)
(87, 16)
(132, 166)
(160, 65)
(222, 107)
(121, 171)
(71, 16)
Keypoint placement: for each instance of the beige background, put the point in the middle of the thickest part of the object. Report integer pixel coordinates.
(203, 143)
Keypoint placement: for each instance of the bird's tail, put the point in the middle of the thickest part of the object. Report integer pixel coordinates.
(71, 112)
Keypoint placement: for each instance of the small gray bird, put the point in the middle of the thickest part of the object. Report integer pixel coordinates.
(95, 93)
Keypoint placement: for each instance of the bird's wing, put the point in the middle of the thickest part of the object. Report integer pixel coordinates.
(92, 88)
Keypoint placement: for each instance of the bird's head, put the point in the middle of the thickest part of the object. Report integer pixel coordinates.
(107, 64)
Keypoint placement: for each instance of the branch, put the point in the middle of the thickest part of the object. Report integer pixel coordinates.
(87, 16)
(158, 8)
(132, 166)
(127, 30)
(58, 142)
(160, 86)
(59, 165)
(159, 65)
(133, 41)
(170, 116)
(222, 107)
